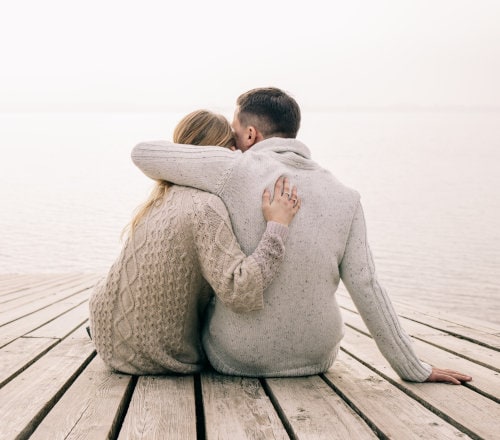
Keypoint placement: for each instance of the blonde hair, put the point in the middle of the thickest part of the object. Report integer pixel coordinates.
(200, 127)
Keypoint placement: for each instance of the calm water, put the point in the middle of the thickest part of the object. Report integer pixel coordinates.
(430, 186)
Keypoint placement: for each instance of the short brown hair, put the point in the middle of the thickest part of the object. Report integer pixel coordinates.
(271, 111)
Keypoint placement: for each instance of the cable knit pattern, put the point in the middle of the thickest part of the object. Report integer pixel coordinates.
(299, 330)
(146, 314)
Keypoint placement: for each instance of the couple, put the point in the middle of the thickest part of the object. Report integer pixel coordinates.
(274, 313)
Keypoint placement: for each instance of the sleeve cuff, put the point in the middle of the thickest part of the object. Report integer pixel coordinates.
(276, 228)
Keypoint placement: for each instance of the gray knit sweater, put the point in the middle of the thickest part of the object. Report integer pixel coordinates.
(300, 327)
(146, 314)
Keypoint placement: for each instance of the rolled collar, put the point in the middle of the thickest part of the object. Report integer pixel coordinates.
(282, 145)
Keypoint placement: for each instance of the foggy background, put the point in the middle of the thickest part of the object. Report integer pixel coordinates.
(164, 55)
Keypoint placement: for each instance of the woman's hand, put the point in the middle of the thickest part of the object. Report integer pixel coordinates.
(449, 376)
(284, 205)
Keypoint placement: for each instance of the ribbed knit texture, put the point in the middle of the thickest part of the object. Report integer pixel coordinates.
(146, 315)
(300, 327)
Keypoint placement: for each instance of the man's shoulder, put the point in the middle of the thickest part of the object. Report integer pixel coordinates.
(343, 188)
(325, 179)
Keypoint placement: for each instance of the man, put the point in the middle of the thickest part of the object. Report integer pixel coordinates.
(300, 328)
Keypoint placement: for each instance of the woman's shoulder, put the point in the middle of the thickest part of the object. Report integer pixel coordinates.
(198, 197)
(203, 201)
(190, 192)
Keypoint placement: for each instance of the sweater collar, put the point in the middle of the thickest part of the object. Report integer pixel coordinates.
(283, 145)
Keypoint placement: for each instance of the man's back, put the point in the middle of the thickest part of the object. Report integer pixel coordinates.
(298, 331)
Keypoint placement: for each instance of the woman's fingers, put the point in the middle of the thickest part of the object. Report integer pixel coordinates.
(286, 187)
(296, 206)
(283, 193)
(282, 188)
(266, 197)
(294, 198)
(278, 187)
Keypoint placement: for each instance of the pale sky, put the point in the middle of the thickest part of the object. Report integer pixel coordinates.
(120, 55)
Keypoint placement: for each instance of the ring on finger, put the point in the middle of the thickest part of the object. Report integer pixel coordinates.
(287, 194)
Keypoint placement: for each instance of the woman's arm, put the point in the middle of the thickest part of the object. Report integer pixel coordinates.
(239, 281)
(205, 168)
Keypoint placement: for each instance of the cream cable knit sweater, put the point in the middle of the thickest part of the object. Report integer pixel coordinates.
(146, 315)
(300, 327)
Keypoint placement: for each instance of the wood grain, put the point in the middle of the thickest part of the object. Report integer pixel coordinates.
(315, 411)
(162, 407)
(91, 408)
(238, 408)
(394, 413)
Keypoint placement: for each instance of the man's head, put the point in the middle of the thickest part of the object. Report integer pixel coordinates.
(263, 113)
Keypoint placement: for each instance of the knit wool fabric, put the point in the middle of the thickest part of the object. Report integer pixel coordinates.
(300, 327)
(146, 315)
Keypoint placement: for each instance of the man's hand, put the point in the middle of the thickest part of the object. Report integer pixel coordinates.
(448, 376)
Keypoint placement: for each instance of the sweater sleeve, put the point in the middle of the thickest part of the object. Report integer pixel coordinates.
(238, 281)
(205, 168)
(358, 273)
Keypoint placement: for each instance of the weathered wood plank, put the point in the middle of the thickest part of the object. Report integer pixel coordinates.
(28, 323)
(20, 353)
(17, 355)
(467, 410)
(162, 407)
(485, 356)
(91, 408)
(7, 282)
(26, 289)
(37, 369)
(64, 324)
(469, 321)
(237, 408)
(391, 411)
(50, 297)
(314, 411)
(469, 333)
(486, 379)
(486, 337)
(25, 400)
(466, 349)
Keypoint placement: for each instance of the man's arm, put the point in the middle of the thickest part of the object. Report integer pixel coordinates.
(358, 274)
(357, 271)
(205, 168)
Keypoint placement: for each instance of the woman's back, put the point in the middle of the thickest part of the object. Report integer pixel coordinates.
(152, 290)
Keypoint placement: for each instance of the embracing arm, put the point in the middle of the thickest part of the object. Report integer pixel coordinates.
(205, 168)
(239, 281)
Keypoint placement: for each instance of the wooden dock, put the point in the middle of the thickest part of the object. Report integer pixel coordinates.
(53, 386)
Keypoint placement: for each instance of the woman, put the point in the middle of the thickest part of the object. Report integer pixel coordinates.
(146, 315)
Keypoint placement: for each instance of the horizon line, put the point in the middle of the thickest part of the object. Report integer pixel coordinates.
(304, 108)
